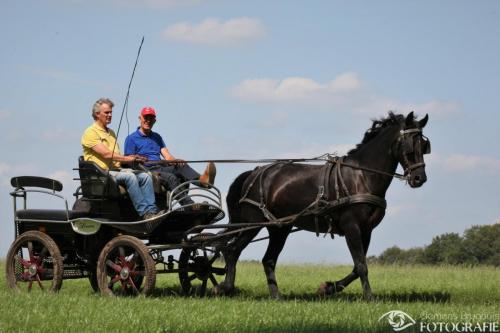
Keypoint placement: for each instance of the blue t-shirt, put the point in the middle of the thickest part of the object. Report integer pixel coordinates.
(145, 145)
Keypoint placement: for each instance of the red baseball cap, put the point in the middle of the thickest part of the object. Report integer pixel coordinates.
(148, 111)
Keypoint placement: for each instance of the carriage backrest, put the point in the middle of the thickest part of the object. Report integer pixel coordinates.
(96, 182)
(34, 181)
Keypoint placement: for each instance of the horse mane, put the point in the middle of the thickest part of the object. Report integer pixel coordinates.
(377, 127)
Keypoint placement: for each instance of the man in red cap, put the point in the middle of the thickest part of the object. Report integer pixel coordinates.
(145, 142)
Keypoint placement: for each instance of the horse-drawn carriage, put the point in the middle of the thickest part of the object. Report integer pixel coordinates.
(103, 238)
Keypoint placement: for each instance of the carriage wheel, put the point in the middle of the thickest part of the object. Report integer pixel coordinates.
(34, 263)
(199, 266)
(125, 267)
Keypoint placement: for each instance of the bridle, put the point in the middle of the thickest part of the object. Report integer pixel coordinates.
(406, 142)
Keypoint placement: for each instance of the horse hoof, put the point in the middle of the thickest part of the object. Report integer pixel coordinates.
(325, 289)
(221, 290)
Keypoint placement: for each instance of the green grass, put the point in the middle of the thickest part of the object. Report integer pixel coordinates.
(417, 290)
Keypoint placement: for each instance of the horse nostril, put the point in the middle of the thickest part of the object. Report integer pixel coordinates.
(417, 179)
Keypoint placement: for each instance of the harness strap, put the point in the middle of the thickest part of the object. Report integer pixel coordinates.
(262, 204)
(339, 177)
(268, 215)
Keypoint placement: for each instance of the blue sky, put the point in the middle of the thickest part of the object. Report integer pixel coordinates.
(263, 79)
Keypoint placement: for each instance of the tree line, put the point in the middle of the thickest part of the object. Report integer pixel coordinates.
(479, 245)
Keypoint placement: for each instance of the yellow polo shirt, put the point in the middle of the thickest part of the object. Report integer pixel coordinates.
(95, 135)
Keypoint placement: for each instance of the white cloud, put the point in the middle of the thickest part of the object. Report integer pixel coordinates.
(346, 92)
(214, 32)
(459, 162)
(296, 89)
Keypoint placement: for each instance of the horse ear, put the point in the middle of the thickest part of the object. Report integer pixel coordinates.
(423, 122)
(409, 119)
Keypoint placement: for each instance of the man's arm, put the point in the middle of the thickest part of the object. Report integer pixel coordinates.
(104, 152)
(166, 154)
(169, 157)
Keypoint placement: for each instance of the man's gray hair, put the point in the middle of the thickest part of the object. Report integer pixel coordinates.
(98, 103)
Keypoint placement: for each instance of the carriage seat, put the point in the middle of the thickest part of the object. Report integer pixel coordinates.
(25, 184)
(96, 183)
(49, 214)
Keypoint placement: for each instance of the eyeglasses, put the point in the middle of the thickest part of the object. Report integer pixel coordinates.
(149, 118)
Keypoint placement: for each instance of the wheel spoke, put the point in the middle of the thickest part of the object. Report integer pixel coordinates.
(25, 263)
(215, 257)
(192, 277)
(131, 282)
(203, 287)
(25, 277)
(30, 251)
(41, 256)
(113, 281)
(39, 282)
(132, 260)
(212, 279)
(115, 267)
(218, 270)
(137, 273)
(121, 250)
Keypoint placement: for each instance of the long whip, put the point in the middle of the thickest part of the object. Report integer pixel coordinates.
(125, 104)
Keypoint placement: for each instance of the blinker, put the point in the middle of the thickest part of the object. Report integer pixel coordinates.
(426, 145)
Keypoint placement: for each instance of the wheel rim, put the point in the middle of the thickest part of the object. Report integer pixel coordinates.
(199, 269)
(125, 268)
(34, 264)
(125, 271)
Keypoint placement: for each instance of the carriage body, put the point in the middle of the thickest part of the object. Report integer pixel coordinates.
(55, 244)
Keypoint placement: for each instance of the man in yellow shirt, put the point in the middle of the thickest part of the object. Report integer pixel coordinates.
(100, 146)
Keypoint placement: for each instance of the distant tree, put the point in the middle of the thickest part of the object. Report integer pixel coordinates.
(482, 244)
(445, 249)
(392, 255)
(479, 245)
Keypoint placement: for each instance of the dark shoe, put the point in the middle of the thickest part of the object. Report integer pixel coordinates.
(208, 176)
(151, 215)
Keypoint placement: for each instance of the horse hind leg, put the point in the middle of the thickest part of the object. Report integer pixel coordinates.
(231, 255)
(277, 239)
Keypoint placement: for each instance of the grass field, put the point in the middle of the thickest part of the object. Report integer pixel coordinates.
(423, 292)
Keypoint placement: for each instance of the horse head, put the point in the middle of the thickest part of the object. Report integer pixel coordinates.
(411, 146)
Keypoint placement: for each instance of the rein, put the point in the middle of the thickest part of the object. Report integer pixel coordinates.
(325, 157)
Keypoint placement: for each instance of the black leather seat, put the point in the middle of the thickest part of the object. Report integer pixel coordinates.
(96, 183)
(49, 214)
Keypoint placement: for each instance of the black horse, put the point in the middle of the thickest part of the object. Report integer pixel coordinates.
(345, 196)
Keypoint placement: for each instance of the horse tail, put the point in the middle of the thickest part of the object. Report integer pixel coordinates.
(234, 196)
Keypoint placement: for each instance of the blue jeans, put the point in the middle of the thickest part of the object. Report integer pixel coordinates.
(173, 176)
(140, 190)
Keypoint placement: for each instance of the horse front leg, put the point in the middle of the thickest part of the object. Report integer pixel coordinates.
(355, 243)
(330, 288)
(277, 239)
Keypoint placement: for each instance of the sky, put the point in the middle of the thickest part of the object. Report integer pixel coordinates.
(262, 79)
